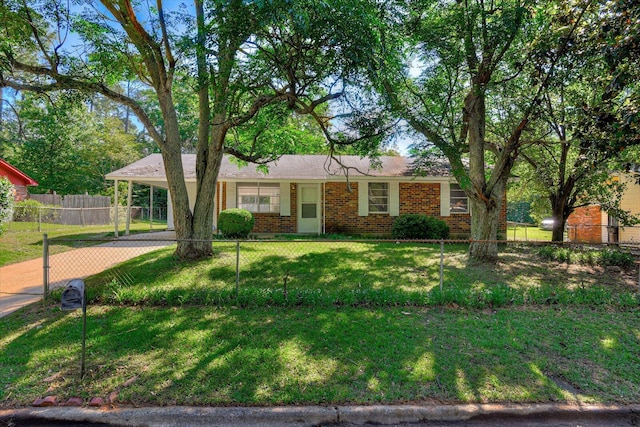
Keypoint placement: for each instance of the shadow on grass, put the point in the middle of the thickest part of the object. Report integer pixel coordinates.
(320, 355)
(376, 274)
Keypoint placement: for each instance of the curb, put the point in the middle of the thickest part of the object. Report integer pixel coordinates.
(307, 415)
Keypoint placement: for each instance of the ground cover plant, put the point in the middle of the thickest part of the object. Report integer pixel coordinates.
(23, 241)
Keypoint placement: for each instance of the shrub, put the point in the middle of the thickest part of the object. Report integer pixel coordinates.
(34, 211)
(235, 223)
(419, 226)
(616, 257)
(604, 257)
(26, 210)
(6, 202)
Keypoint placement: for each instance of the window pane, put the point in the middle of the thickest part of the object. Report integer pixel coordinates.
(309, 210)
(256, 197)
(378, 197)
(459, 203)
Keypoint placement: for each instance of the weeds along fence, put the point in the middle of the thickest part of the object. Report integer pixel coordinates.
(343, 272)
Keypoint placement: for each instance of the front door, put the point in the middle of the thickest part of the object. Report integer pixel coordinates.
(308, 208)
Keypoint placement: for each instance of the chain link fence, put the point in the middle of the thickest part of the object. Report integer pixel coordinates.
(139, 270)
(329, 271)
(576, 233)
(50, 218)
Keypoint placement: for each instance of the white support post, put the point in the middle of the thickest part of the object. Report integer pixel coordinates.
(129, 196)
(115, 209)
(151, 208)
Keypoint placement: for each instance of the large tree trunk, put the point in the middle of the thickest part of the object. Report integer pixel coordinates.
(485, 224)
(485, 203)
(558, 208)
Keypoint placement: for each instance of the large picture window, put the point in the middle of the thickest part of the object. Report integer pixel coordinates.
(259, 197)
(378, 197)
(458, 199)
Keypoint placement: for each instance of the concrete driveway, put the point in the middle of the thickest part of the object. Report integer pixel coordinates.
(22, 283)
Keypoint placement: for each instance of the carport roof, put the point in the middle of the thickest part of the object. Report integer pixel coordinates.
(289, 167)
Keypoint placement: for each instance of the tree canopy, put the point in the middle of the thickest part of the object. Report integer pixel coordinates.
(229, 61)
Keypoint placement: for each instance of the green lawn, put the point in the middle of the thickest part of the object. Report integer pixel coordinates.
(269, 356)
(532, 233)
(356, 273)
(358, 322)
(22, 240)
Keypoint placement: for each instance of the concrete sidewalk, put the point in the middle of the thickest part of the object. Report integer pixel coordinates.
(22, 283)
(328, 415)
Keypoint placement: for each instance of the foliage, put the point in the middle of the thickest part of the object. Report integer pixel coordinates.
(33, 211)
(218, 78)
(472, 57)
(63, 156)
(589, 118)
(235, 223)
(7, 192)
(419, 226)
(519, 212)
(603, 257)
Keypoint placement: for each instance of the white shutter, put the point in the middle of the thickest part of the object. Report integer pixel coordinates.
(445, 199)
(231, 195)
(363, 198)
(285, 199)
(394, 198)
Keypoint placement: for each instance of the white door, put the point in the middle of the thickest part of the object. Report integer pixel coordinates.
(308, 208)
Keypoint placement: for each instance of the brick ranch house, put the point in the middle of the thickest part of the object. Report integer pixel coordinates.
(19, 179)
(590, 224)
(313, 194)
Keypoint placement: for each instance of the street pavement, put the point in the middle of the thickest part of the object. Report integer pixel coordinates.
(21, 284)
(289, 416)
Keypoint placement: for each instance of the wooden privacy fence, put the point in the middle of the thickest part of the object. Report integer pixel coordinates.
(80, 209)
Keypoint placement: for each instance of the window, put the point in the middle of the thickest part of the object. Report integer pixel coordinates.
(458, 200)
(258, 197)
(378, 197)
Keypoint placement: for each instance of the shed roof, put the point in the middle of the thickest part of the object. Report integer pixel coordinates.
(289, 167)
(15, 175)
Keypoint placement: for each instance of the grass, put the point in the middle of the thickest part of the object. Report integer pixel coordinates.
(532, 233)
(22, 240)
(270, 356)
(358, 274)
(334, 322)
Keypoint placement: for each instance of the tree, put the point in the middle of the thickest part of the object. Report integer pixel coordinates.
(237, 57)
(589, 118)
(63, 156)
(471, 56)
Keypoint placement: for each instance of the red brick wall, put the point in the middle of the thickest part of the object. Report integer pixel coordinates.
(21, 193)
(341, 214)
(585, 225)
(271, 222)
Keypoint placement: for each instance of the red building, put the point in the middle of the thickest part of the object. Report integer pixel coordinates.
(19, 179)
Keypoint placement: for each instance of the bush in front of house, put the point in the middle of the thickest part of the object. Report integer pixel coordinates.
(235, 223)
(419, 226)
(6, 202)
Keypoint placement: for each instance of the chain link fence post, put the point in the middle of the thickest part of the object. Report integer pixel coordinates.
(441, 263)
(45, 265)
(237, 267)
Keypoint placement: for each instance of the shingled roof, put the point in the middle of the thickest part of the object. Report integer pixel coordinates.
(288, 167)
